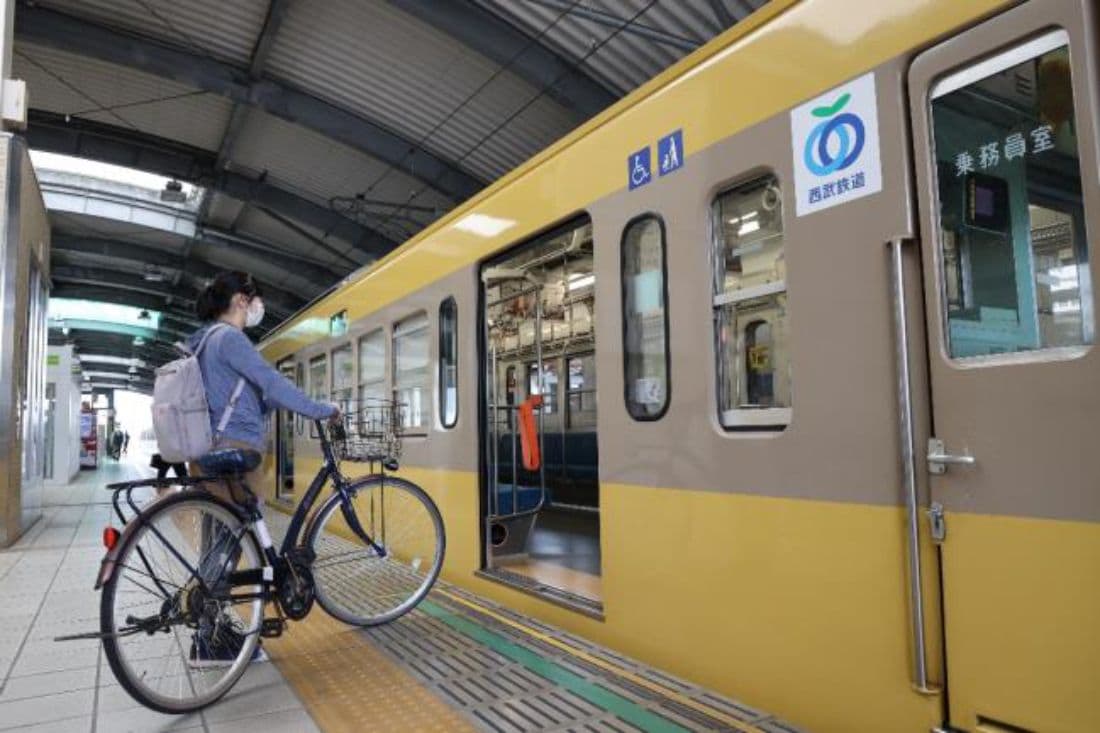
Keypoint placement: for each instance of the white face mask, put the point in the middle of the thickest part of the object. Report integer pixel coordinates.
(255, 313)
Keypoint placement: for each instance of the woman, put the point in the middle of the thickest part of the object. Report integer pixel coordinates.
(231, 367)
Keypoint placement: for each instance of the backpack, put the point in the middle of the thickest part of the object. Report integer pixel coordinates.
(181, 414)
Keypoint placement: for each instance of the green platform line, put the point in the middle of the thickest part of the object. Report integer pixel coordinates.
(601, 697)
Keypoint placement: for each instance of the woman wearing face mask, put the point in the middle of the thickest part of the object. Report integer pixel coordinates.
(233, 371)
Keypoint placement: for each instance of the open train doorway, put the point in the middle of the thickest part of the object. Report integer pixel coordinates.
(541, 464)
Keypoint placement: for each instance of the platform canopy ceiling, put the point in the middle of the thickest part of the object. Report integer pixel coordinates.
(319, 134)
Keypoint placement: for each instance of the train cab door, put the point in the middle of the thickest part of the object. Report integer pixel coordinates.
(1005, 131)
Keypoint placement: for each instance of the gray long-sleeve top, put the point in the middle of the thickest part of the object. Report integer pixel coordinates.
(228, 356)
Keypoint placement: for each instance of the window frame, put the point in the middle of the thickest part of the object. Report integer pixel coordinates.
(425, 428)
(440, 376)
(721, 298)
(323, 357)
(346, 346)
(647, 215)
(975, 69)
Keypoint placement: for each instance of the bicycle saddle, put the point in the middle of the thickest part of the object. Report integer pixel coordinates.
(230, 461)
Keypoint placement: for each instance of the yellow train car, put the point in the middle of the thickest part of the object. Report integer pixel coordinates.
(811, 318)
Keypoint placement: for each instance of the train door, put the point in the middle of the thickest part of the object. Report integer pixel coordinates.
(1006, 144)
(284, 436)
(539, 434)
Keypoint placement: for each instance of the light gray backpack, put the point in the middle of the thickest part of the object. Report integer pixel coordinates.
(181, 415)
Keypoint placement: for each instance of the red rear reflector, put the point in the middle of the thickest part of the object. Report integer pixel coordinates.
(110, 537)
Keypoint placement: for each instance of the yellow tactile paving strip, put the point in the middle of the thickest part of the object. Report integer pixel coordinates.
(347, 684)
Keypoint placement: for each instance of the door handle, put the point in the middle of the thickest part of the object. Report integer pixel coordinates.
(939, 459)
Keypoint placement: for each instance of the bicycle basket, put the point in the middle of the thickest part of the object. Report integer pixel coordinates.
(371, 433)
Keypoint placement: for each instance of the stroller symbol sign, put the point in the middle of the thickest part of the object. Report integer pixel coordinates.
(639, 169)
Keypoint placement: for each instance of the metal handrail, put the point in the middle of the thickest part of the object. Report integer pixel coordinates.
(909, 465)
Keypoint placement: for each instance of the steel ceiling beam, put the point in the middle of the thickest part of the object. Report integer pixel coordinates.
(52, 133)
(191, 266)
(75, 35)
(111, 277)
(495, 38)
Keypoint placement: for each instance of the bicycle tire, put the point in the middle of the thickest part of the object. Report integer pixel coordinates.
(121, 668)
(338, 601)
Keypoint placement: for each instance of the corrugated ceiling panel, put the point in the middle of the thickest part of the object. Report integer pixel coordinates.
(258, 225)
(224, 30)
(301, 159)
(626, 58)
(70, 84)
(391, 67)
(230, 259)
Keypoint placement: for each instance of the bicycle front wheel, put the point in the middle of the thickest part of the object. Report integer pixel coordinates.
(177, 635)
(372, 573)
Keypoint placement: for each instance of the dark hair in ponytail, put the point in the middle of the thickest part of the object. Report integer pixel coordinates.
(214, 300)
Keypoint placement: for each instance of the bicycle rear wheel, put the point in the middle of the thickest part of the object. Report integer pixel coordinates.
(174, 640)
(366, 582)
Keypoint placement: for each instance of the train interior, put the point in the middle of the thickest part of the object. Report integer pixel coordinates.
(541, 474)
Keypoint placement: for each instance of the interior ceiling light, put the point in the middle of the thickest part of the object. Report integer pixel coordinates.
(173, 191)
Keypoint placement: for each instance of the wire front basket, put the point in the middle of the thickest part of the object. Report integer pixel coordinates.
(371, 433)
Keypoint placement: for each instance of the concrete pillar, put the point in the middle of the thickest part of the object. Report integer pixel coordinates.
(24, 279)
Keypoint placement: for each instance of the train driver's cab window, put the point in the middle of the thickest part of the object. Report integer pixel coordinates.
(343, 377)
(318, 383)
(448, 363)
(750, 307)
(645, 320)
(1013, 247)
(411, 373)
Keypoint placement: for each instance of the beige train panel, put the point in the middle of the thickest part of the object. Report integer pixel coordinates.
(842, 443)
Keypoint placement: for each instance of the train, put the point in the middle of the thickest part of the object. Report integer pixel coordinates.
(803, 330)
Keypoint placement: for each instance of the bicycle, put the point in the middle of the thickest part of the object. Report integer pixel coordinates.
(185, 585)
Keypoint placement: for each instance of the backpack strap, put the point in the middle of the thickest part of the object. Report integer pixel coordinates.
(228, 412)
(233, 398)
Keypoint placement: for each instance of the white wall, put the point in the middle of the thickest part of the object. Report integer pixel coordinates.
(60, 363)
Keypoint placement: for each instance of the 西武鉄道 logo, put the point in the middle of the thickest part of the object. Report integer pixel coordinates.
(836, 142)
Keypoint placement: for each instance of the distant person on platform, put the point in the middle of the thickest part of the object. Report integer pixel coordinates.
(116, 442)
(125, 441)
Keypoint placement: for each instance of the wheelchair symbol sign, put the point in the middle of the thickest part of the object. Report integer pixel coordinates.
(639, 169)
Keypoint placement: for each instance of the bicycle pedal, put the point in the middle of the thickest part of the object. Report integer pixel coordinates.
(272, 628)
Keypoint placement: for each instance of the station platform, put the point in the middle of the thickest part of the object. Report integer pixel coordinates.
(457, 663)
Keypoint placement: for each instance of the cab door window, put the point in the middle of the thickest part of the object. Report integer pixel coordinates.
(1013, 246)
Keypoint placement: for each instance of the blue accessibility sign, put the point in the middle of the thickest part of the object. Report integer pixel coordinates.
(639, 169)
(670, 153)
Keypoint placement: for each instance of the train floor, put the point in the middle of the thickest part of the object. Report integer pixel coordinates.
(564, 553)
(457, 663)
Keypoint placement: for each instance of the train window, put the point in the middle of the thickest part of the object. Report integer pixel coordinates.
(411, 376)
(318, 383)
(580, 391)
(550, 382)
(372, 371)
(343, 377)
(645, 319)
(448, 362)
(750, 307)
(1013, 247)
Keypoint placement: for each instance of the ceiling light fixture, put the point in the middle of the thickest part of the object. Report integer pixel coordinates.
(173, 192)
